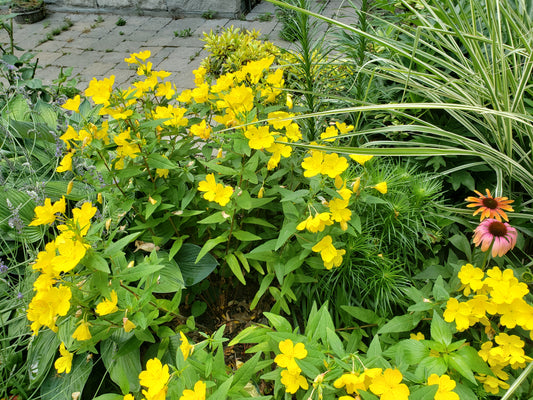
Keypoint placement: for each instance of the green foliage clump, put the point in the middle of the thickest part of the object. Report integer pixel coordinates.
(232, 48)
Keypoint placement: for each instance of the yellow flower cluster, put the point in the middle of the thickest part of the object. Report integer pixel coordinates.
(386, 384)
(214, 191)
(59, 257)
(290, 377)
(495, 293)
(498, 293)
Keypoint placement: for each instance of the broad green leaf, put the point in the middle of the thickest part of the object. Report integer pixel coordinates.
(244, 373)
(193, 267)
(244, 200)
(257, 221)
(473, 360)
(41, 352)
(45, 113)
(374, 350)
(462, 243)
(265, 283)
(124, 370)
(169, 278)
(410, 351)
(440, 330)
(138, 272)
(61, 386)
(460, 365)
(222, 390)
(335, 343)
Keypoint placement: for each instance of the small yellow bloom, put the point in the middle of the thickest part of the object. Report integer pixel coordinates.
(108, 306)
(127, 325)
(361, 159)
(73, 104)
(417, 336)
(66, 163)
(69, 187)
(64, 363)
(82, 332)
(261, 192)
(197, 394)
(185, 347)
(154, 377)
(381, 187)
(293, 380)
(290, 352)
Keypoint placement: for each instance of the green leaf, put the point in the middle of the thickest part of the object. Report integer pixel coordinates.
(194, 269)
(244, 373)
(440, 330)
(363, 314)
(158, 161)
(471, 357)
(41, 352)
(424, 393)
(457, 363)
(45, 113)
(222, 391)
(402, 323)
(257, 221)
(116, 247)
(462, 243)
(96, 262)
(138, 272)
(410, 351)
(215, 218)
(335, 343)
(374, 350)
(464, 392)
(431, 365)
(124, 370)
(245, 236)
(439, 291)
(210, 244)
(221, 169)
(295, 197)
(233, 264)
(61, 386)
(176, 246)
(278, 322)
(287, 230)
(265, 283)
(244, 200)
(169, 278)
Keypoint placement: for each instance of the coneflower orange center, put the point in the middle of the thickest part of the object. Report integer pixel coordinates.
(489, 202)
(497, 229)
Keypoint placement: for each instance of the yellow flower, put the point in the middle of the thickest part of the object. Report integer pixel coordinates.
(129, 396)
(197, 394)
(155, 377)
(289, 102)
(82, 332)
(240, 99)
(143, 56)
(199, 75)
(340, 212)
(202, 130)
(461, 313)
(327, 251)
(100, 91)
(315, 224)
(259, 138)
(64, 363)
(293, 380)
(352, 382)
(333, 165)
(280, 119)
(185, 347)
(66, 163)
(381, 187)
(343, 128)
(446, 385)
(127, 325)
(417, 336)
(389, 387)
(215, 191)
(361, 159)
(200, 94)
(290, 352)
(278, 150)
(255, 68)
(108, 306)
(330, 134)
(337, 260)
(46, 214)
(313, 165)
(471, 278)
(491, 384)
(72, 104)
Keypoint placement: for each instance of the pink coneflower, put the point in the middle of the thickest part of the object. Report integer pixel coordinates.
(501, 235)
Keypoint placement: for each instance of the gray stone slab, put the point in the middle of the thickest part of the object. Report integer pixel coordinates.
(211, 25)
(100, 69)
(47, 58)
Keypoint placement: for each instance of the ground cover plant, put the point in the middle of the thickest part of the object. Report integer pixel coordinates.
(166, 205)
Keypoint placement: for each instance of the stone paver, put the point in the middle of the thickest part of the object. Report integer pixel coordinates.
(95, 46)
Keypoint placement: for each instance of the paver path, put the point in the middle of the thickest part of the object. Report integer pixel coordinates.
(95, 46)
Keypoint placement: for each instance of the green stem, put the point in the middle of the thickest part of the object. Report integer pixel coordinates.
(518, 382)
